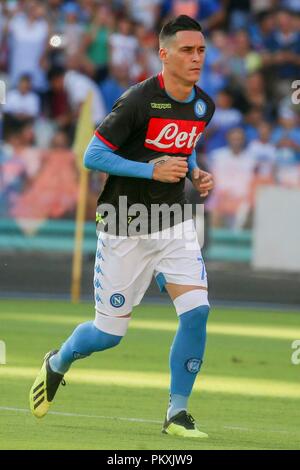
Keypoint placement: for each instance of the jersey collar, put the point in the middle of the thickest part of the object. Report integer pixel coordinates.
(161, 83)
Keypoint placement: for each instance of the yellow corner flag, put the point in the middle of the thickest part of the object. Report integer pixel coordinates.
(84, 133)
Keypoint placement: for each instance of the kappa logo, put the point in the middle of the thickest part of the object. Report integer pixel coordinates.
(117, 300)
(99, 219)
(161, 105)
(173, 135)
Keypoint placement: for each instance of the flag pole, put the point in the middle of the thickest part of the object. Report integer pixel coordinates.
(79, 235)
(84, 132)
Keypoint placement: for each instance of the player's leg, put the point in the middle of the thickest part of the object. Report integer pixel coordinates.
(181, 271)
(120, 280)
(86, 339)
(186, 356)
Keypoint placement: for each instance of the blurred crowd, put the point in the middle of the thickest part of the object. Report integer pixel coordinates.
(53, 53)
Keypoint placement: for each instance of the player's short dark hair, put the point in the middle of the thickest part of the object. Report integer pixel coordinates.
(180, 23)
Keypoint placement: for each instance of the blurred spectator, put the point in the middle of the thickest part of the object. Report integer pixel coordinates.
(124, 46)
(286, 138)
(72, 29)
(255, 91)
(232, 167)
(282, 51)
(28, 34)
(12, 176)
(22, 103)
(243, 60)
(96, 42)
(18, 133)
(54, 13)
(3, 34)
(172, 8)
(261, 29)
(147, 61)
(225, 118)
(254, 118)
(259, 6)
(292, 5)
(145, 12)
(114, 86)
(238, 12)
(263, 153)
(87, 10)
(60, 141)
(57, 102)
(214, 76)
(210, 13)
(26, 134)
(78, 86)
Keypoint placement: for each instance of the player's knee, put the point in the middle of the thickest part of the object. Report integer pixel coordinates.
(107, 340)
(193, 309)
(114, 327)
(195, 319)
(196, 299)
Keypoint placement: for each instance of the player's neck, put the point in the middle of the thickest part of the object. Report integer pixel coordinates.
(176, 89)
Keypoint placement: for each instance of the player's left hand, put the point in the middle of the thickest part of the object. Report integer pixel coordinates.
(202, 181)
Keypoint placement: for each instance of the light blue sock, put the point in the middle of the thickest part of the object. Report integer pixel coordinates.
(177, 403)
(85, 340)
(186, 356)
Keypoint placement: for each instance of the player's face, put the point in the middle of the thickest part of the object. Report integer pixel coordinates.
(185, 56)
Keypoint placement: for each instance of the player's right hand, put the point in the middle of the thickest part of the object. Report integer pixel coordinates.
(171, 170)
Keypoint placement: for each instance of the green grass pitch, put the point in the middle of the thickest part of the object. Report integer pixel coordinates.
(247, 395)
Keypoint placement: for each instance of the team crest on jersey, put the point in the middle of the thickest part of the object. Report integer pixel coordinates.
(173, 135)
(117, 300)
(200, 108)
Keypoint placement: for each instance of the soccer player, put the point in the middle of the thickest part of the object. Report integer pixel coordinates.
(146, 145)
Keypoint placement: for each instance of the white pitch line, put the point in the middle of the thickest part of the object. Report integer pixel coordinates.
(75, 415)
(134, 420)
(239, 428)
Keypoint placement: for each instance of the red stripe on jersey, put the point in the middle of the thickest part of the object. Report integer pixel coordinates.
(161, 80)
(173, 136)
(110, 145)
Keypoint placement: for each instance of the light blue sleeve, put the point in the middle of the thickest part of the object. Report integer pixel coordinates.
(99, 156)
(192, 163)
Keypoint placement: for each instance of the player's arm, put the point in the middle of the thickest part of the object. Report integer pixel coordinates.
(99, 156)
(192, 164)
(116, 129)
(202, 180)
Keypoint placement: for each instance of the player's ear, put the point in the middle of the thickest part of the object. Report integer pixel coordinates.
(163, 54)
